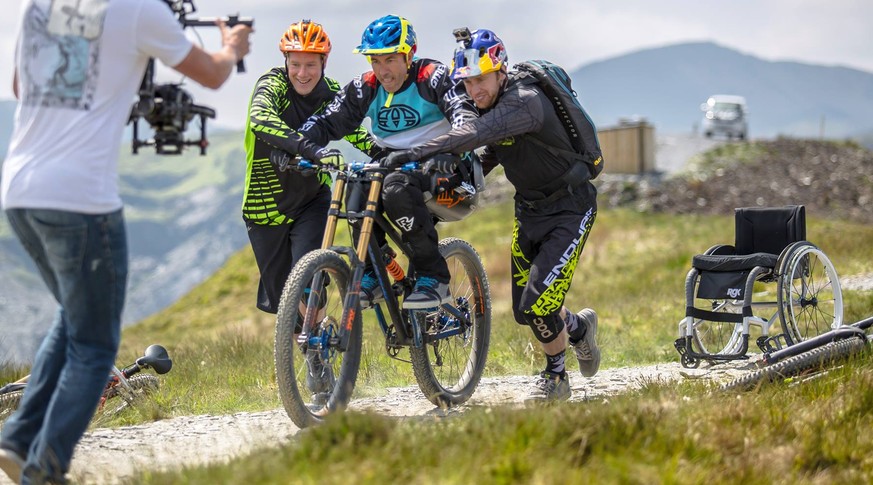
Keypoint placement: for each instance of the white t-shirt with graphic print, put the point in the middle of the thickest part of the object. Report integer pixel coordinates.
(80, 64)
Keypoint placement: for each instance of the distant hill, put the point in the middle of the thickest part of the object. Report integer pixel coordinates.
(667, 85)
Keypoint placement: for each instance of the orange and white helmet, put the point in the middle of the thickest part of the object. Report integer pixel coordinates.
(305, 36)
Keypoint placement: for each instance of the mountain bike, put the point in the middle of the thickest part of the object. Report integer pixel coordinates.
(126, 383)
(806, 358)
(319, 331)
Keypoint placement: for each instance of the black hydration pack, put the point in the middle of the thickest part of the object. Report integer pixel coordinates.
(555, 83)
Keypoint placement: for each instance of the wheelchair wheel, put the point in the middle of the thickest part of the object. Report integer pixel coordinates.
(717, 337)
(449, 363)
(809, 295)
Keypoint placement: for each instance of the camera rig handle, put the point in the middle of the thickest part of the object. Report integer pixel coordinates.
(230, 21)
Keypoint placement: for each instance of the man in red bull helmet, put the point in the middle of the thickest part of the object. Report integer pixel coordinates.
(555, 200)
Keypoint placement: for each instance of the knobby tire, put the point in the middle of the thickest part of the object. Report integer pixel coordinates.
(299, 403)
(811, 360)
(453, 380)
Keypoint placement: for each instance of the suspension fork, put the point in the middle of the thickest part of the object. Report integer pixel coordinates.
(351, 305)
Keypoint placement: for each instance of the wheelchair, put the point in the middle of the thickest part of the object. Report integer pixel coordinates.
(728, 285)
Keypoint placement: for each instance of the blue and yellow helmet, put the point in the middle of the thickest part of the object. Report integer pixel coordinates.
(483, 53)
(387, 35)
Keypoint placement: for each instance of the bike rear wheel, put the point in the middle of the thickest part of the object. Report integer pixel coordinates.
(806, 362)
(450, 362)
(9, 403)
(315, 377)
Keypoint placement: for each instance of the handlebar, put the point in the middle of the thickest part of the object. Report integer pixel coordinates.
(355, 166)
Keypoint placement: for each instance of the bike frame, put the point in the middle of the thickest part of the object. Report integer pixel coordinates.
(405, 333)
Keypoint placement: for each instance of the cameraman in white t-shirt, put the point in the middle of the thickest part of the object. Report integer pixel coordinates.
(78, 66)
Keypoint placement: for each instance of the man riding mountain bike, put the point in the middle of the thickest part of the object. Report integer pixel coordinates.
(554, 212)
(408, 101)
(284, 209)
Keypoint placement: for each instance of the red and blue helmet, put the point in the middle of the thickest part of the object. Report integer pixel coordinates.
(387, 35)
(483, 53)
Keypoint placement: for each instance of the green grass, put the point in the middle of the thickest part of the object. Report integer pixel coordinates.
(683, 433)
(632, 271)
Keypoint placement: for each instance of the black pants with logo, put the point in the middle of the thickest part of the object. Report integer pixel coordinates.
(403, 198)
(546, 244)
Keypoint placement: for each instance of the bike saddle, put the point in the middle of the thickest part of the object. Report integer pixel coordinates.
(157, 358)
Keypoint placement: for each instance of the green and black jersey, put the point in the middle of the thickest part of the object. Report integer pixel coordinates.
(275, 111)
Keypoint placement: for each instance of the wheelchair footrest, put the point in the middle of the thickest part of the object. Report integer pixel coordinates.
(772, 344)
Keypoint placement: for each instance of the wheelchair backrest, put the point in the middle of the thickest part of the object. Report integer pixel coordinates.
(768, 229)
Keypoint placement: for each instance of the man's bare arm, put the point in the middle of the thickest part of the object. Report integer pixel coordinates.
(213, 69)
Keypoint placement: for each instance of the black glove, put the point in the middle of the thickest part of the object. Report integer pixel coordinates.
(442, 164)
(330, 156)
(395, 159)
(281, 159)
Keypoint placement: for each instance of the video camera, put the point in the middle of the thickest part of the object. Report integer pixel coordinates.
(167, 107)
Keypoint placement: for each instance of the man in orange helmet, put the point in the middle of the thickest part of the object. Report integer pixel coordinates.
(285, 209)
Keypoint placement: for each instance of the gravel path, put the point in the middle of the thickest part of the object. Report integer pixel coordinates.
(106, 456)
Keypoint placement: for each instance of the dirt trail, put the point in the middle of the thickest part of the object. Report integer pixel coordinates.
(106, 456)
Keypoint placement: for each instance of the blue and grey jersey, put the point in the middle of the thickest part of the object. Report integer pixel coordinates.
(427, 105)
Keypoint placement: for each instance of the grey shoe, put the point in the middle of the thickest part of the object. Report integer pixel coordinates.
(428, 293)
(11, 463)
(371, 290)
(586, 350)
(549, 388)
(319, 377)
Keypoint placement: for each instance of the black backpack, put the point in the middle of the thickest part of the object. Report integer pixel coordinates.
(555, 82)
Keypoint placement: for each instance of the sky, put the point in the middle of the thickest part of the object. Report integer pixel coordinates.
(571, 33)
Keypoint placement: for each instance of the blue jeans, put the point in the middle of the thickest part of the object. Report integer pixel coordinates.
(83, 260)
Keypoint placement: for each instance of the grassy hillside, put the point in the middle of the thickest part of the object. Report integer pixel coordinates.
(632, 271)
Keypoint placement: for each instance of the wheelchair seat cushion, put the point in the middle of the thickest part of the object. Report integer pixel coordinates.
(732, 262)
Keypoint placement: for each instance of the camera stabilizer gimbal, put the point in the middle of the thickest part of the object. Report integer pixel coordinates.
(168, 108)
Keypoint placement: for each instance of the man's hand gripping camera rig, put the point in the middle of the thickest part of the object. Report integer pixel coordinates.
(167, 107)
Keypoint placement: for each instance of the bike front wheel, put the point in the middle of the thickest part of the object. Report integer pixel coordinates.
(314, 375)
(451, 358)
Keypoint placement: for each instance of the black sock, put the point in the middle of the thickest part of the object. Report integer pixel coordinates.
(555, 364)
(574, 327)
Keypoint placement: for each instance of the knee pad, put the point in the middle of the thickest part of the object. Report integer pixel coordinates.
(546, 328)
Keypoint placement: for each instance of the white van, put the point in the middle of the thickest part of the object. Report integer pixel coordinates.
(726, 115)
